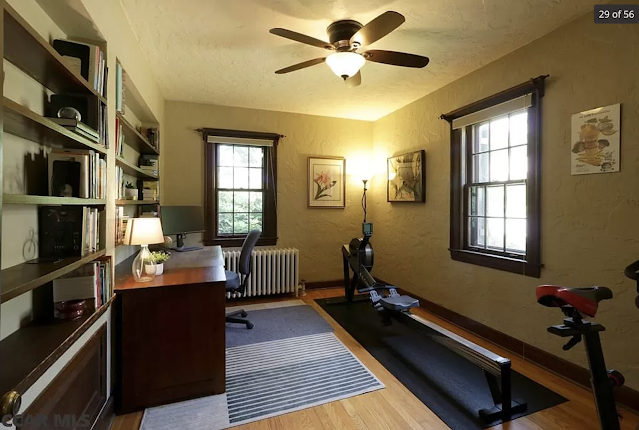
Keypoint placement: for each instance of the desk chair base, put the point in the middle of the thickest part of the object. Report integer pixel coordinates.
(231, 317)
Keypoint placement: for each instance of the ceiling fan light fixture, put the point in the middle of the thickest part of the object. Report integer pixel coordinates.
(345, 64)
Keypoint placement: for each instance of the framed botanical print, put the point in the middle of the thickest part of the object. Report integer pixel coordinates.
(407, 178)
(326, 182)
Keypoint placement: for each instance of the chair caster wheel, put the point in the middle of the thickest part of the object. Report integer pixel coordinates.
(249, 325)
(244, 314)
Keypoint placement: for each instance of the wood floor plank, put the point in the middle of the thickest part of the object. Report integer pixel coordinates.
(395, 407)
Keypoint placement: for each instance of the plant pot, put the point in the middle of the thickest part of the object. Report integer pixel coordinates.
(159, 269)
(131, 193)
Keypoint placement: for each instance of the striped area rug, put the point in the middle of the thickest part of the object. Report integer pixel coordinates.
(272, 378)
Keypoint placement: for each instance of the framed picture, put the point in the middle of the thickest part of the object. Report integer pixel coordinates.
(406, 178)
(326, 182)
(595, 139)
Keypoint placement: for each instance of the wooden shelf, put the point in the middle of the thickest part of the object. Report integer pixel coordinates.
(136, 202)
(132, 170)
(25, 277)
(32, 54)
(21, 199)
(134, 138)
(27, 124)
(30, 351)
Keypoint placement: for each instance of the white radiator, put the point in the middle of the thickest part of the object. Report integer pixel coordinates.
(273, 271)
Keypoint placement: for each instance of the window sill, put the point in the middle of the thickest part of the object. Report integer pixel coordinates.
(513, 265)
(237, 241)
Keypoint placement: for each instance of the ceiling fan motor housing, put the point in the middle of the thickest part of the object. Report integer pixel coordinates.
(340, 33)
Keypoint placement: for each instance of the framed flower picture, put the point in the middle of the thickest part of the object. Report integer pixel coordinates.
(326, 182)
(407, 178)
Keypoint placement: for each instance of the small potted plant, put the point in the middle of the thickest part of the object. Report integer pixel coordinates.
(160, 258)
(130, 192)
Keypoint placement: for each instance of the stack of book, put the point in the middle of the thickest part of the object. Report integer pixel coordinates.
(78, 128)
(77, 173)
(150, 190)
(91, 282)
(86, 60)
(149, 164)
(121, 221)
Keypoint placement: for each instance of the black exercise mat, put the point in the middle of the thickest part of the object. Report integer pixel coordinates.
(452, 387)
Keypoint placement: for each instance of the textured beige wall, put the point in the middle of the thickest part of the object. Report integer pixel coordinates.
(317, 233)
(589, 230)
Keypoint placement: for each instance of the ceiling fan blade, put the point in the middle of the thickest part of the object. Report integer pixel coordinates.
(354, 81)
(299, 37)
(298, 66)
(378, 28)
(396, 58)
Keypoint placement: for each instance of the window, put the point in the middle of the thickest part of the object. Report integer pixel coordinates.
(495, 147)
(240, 190)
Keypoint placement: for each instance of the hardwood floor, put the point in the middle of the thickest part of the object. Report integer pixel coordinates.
(397, 408)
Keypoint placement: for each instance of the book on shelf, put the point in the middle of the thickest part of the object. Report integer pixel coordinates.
(91, 282)
(120, 82)
(149, 164)
(77, 173)
(85, 59)
(149, 214)
(151, 188)
(121, 221)
(78, 127)
(69, 231)
(93, 113)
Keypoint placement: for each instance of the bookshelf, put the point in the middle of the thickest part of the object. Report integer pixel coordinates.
(136, 202)
(134, 171)
(27, 124)
(25, 277)
(28, 51)
(134, 138)
(134, 116)
(30, 351)
(22, 199)
(36, 345)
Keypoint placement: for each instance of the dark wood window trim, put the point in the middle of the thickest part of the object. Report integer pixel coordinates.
(269, 222)
(459, 250)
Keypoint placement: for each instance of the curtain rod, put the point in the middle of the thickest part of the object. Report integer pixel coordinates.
(236, 133)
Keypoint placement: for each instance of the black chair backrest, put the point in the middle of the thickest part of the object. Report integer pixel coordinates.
(247, 249)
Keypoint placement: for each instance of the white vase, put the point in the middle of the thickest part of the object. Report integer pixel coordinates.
(159, 269)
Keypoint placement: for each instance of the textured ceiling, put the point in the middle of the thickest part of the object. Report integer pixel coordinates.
(220, 52)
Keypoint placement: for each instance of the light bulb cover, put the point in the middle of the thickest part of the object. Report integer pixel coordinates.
(345, 64)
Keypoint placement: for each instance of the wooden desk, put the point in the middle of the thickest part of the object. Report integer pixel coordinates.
(170, 332)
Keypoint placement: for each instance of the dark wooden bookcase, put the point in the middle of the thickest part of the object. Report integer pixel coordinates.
(28, 352)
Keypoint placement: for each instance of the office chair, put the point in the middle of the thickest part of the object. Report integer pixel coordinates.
(233, 284)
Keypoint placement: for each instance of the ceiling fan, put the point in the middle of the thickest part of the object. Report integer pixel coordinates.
(346, 37)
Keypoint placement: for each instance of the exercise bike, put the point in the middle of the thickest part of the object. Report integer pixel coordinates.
(576, 304)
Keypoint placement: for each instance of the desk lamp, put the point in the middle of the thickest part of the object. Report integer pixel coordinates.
(144, 231)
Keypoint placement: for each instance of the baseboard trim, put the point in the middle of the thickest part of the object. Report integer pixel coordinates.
(105, 419)
(324, 284)
(625, 396)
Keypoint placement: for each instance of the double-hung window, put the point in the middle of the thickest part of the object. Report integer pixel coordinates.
(240, 192)
(495, 180)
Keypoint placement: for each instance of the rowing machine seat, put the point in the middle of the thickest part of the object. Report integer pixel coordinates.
(585, 300)
(395, 302)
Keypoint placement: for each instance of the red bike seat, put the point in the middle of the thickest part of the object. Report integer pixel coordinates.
(585, 300)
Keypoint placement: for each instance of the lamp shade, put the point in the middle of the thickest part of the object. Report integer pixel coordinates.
(345, 64)
(143, 231)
